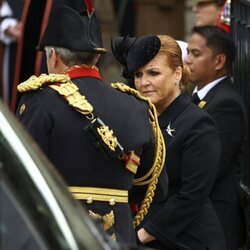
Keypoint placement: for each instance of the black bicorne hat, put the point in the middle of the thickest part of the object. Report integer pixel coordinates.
(72, 30)
(134, 53)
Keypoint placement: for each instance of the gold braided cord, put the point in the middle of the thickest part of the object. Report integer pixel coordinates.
(158, 163)
(154, 121)
(36, 82)
(144, 180)
(126, 89)
(159, 156)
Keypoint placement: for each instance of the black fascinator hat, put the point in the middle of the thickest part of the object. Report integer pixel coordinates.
(143, 50)
(134, 53)
(120, 47)
(72, 30)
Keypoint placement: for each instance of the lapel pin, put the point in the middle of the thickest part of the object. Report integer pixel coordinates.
(170, 130)
(202, 104)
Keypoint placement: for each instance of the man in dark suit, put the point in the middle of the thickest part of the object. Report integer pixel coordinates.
(211, 52)
(95, 135)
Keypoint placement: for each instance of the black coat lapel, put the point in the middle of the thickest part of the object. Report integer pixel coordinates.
(218, 87)
(174, 110)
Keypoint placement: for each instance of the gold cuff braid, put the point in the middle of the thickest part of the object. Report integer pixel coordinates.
(91, 194)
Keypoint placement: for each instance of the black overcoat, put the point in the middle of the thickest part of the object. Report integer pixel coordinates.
(226, 107)
(187, 218)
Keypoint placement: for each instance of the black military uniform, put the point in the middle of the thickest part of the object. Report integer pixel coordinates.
(61, 116)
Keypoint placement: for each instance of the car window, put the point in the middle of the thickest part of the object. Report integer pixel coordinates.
(39, 196)
(26, 203)
(16, 229)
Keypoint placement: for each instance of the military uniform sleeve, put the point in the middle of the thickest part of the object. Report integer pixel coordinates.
(200, 156)
(33, 114)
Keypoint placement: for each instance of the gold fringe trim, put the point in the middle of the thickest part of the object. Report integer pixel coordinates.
(36, 82)
(70, 91)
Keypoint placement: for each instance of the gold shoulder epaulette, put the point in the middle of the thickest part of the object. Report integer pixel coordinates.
(36, 82)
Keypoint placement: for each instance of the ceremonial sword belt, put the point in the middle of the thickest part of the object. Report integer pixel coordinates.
(91, 194)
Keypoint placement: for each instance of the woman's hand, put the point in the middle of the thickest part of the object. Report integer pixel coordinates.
(144, 236)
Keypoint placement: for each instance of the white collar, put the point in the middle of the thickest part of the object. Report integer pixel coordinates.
(203, 91)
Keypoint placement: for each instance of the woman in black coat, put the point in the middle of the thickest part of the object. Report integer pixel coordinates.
(186, 219)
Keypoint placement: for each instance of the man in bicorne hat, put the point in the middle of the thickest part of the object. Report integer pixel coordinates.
(98, 138)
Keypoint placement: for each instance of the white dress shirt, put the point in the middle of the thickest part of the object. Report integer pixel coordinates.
(203, 91)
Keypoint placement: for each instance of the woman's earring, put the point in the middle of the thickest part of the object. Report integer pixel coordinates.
(177, 83)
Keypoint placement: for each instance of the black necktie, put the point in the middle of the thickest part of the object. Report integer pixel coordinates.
(195, 98)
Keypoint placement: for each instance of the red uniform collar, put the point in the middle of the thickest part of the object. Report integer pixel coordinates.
(76, 72)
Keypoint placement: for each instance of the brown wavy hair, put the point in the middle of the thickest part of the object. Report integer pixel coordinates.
(170, 47)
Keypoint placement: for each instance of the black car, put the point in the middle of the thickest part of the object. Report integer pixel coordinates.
(36, 209)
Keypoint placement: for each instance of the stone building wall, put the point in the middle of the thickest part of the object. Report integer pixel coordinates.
(172, 17)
